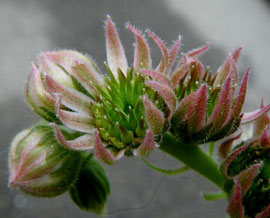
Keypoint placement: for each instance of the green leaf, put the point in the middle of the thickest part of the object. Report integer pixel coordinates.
(92, 187)
(214, 196)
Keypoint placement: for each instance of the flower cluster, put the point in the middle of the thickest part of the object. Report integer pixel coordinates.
(246, 169)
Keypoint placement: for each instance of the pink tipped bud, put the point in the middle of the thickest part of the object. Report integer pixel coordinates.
(148, 144)
(40, 166)
(154, 117)
(225, 147)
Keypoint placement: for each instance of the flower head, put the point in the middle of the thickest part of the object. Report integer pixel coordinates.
(126, 111)
(246, 168)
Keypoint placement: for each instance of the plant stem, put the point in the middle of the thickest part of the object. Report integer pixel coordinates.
(193, 157)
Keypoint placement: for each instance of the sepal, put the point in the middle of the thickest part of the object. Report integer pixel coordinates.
(92, 188)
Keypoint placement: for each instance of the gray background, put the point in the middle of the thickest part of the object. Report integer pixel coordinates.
(30, 26)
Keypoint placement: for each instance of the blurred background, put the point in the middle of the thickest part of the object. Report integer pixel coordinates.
(30, 26)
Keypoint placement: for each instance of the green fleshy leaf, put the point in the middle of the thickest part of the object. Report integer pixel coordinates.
(92, 187)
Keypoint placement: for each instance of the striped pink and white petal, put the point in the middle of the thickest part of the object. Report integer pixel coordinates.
(71, 98)
(236, 208)
(163, 65)
(83, 142)
(142, 57)
(103, 154)
(148, 144)
(247, 176)
(74, 120)
(197, 112)
(154, 117)
(116, 56)
(251, 116)
(222, 110)
(166, 93)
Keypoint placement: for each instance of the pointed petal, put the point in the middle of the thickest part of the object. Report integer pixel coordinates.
(158, 76)
(142, 57)
(222, 110)
(236, 208)
(115, 52)
(71, 98)
(237, 108)
(231, 157)
(224, 69)
(165, 92)
(199, 67)
(197, 112)
(265, 213)
(154, 117)
(180, 72)
(251, 116)
(102, 154)
(198, 51)
(74, 120)
(148, 144)
(38, 90)
(225, 147)
(260, 124)
(173, 52)
(264, 139)
(182, 108)
(83, 142)
(54, 70)
(163, 65)
(247, 176)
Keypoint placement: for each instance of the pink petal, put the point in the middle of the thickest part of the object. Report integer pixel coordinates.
(265, 213)
(251, 116)
(181, 111)
(159, 76)
(260, 123)
(102, 154)
(71, 98)
(222, 110)
(163, 65)
(224, 69)
(198, 51)
(197, 111)
(39, 91)
(199, 67)
(237, 108)
(154, 117)
(165, 92)
(173, 52)
(83, 142)
(247, 176)
(226, 146)
(115, 52)
(180, 72)
(74, 120)
(231, 157)
(264, 139)
(236, 208)
(148, 144)
(142, 57)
